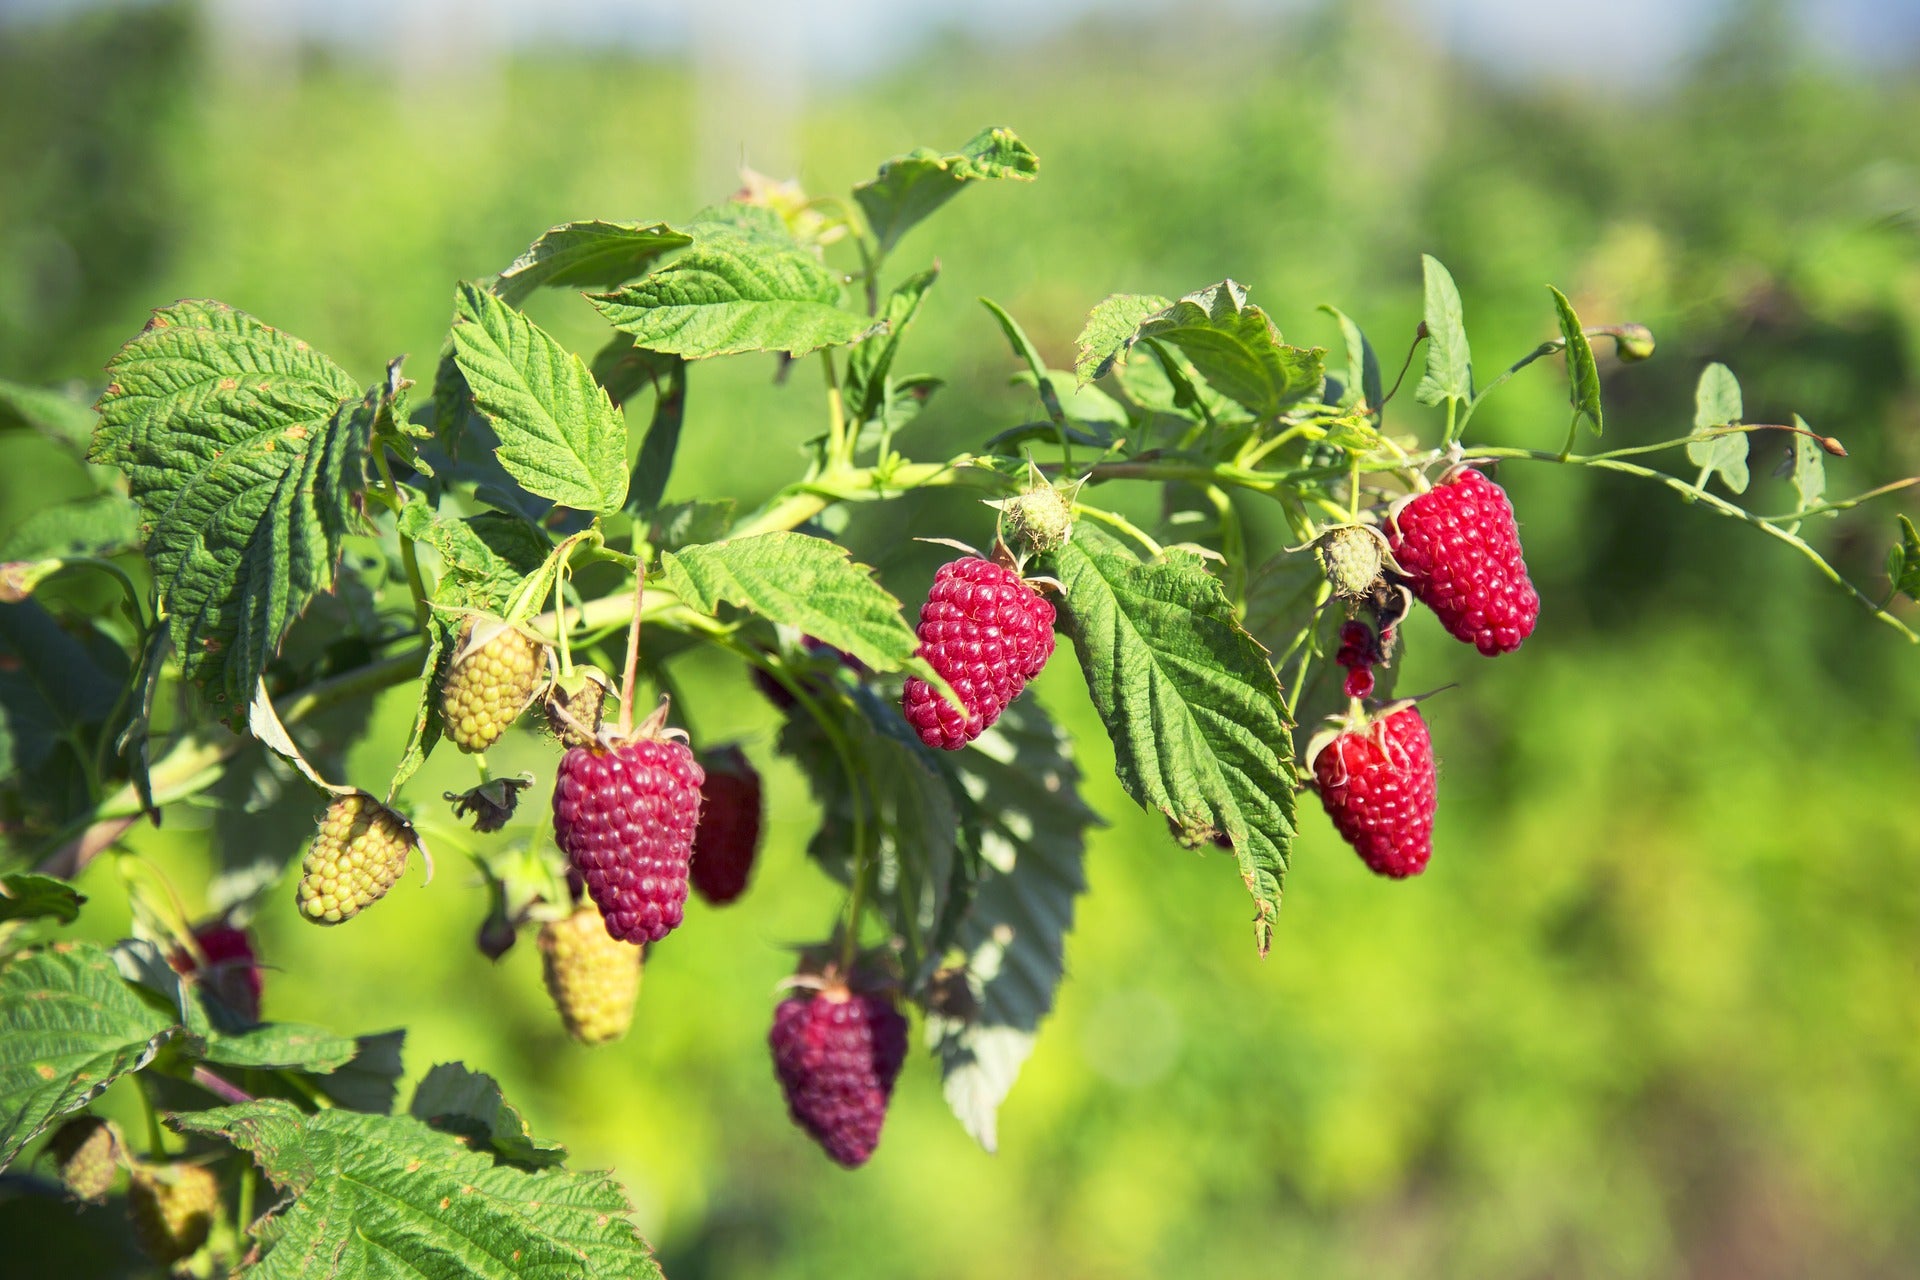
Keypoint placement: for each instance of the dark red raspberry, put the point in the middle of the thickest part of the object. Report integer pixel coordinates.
(1377, 783)
(625, 817)
(231, 973)
(988, 633)
(1460, 548)
(1359, 682)
(837, 1054)
(728, 836)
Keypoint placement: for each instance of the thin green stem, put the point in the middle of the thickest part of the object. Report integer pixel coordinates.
(156, 1137)
(409, 558)
(1846, 504)
(1233, 545)
(840, 445)
(1121, 523)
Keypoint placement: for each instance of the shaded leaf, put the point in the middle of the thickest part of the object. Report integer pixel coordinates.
(1237, 349)
(1903, 563)
(1809, 467)
(655, 461)
(1110, 330)
(871, 362)
(25, 896)
(1363, 366)
(101, 524)
(469, 1104)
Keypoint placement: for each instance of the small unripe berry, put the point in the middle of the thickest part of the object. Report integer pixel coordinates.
(496, 670)
(1352, 557)
(575, 706)
(87, 1151)
(1040, 519)
(593, 977)
(173, 1207)
(359, 853)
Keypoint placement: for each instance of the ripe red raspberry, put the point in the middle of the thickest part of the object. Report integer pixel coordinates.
(988, 633)
(1377, 783)
(624, 816)
(232, 970)
(1460, 548)
(837, 1054)
(728, 837)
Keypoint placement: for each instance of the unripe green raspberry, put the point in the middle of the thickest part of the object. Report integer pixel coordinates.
(360, 851)
(1351, 556)
(87, 1151)
(593, 977)
(1041, 518)
(496, 670)
(173, 1207)
(575, 706)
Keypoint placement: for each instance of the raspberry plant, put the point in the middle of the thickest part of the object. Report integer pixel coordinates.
(289, 543)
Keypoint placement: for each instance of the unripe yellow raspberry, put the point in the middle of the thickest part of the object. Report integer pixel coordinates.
(173, 1207)
(359, 852)
(87, 1150)
(593, 977)
(496, 671)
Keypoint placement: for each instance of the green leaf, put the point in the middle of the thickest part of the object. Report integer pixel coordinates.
(425, 731)
(1088, 404)
(1195, 712)
(25, 896)
(732, 293)
(908, 188)
(52, 414)
(101, 524)
(1022, 779)
(369, 1082)
(1237, 349)
(69, 1027)
(56, 689)
(655, 462)
(1809, 466)
(483, 558)
(245, 449)
(388, 1196)
(1903, 565)
(871, 362)
(1449, 372)
(1036, 365)
(287, 1045)
(683, 524)
(1716, 401)
(1168, 383)
(469, 1104)
(588, 255)
(1110, 330)
(624, 369)
(560, 436)
(1363, 366)
(799, 581)
(1583, 375)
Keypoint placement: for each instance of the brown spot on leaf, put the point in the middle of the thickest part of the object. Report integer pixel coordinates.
(299, 431)
(444, 1200)
(229, 384)
(45, 1072)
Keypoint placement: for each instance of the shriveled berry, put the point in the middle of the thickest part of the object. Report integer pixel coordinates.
(360, 851)
(1459, 547)
(496, 670)
(728, 837)
(87, 1151)
(575, 706)
(173, 1207)
(625, 818)
(1378, 785)
(988, 633)
(231, 973)
(837, 1054)
(593, 977)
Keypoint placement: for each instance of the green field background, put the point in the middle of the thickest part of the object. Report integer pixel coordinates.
(1653, 1011)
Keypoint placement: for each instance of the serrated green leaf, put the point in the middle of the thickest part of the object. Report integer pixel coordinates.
(799, 581)
(69, 1027)
(483, 558)
(910, 187)
(1449, 371)
(1809, 466)
(1583, 375)
(654, 464)
(381, 1196)
(591, 254)
(101, 524)
(871, 362)
(683, 524)
(1237, 349)
(1363, 366)
(1904, 563)
(1198, 724)
(288, 1045)
(1110, 330)
(25, 896)
(1025, 786)
(1716, 401)
(1166, 382)
(425, 730)
(734, 293)
(57, 416)
(469, 1104)
(560, 436)
(245, 449)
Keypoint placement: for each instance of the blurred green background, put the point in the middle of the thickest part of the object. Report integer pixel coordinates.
(1654, 1009)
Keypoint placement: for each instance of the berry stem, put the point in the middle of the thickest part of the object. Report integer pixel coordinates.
(156, 1137)
(839, 447)
(408, 556)
(633, 652)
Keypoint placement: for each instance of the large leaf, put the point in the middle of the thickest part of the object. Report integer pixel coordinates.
(1583, 375)
(1716, 403)
(910, 187)
(1449, 371)
(1237, 349)
(1193, 707)
(1110, 330)
(734, 292)
(245, 449)
(560, 436)
(69, 1027)
(1025, 786)
(799, 581)
(389, 1196)
(25, 896)
(588, 255)
(469, 1104)
(101, 524)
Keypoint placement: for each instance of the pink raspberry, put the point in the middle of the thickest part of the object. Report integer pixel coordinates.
(1378, 785)
(728, 837)
(625, 818)
(988, 633)
(1460, 548)
(232, 971)
(837, 1054)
